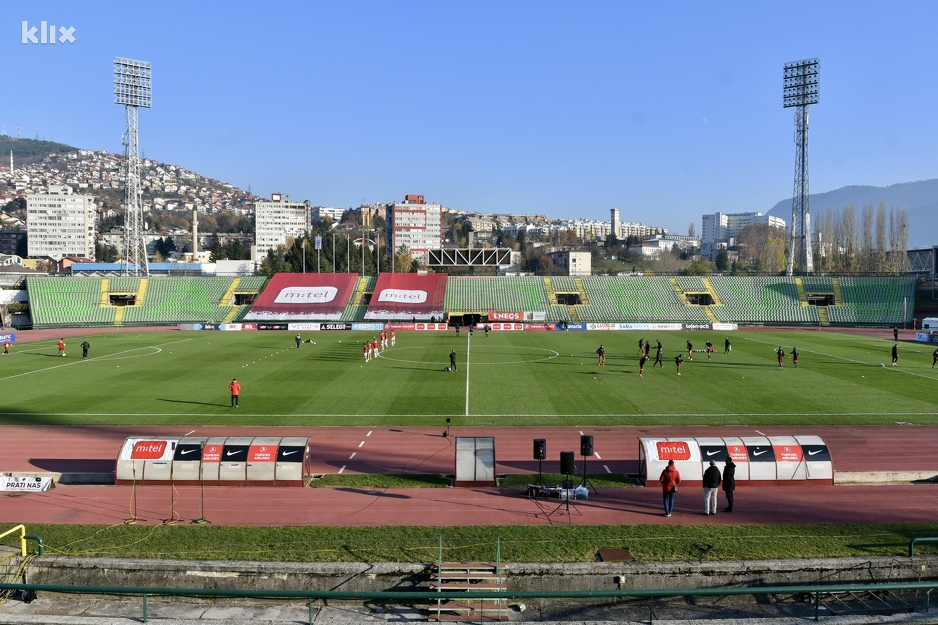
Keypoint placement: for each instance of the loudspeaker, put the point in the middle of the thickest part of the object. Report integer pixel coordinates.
(540, 449)
(586, 445)
(567, 463)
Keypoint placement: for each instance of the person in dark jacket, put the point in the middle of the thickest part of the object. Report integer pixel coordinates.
(711, 485)
(729, 483)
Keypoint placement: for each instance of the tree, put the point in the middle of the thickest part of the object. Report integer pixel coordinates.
(215, 249)
(691, 230)
(722, 259)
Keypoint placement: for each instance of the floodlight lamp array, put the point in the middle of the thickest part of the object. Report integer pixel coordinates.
(801, 83)
(132, 85)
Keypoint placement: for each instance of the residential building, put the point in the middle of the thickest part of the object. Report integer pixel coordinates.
(573, 263)
(720, 230)
(320, 213)
(276, 220)
(415, 225)
(60, 223)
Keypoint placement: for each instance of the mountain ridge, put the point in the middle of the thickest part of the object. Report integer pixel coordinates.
(919, 199)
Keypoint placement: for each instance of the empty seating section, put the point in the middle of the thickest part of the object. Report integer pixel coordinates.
(181, 300)
(761, 299)
(73, 301)
(818, 284)
(631, 299)
(67, 302)
(77, 301)
(874, 300)
(505, 294)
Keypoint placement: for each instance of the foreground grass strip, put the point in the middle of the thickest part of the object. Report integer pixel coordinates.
(519, 543)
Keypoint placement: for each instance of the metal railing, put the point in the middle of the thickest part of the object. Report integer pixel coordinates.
(23, 538)
(426, 596)
(920, 539)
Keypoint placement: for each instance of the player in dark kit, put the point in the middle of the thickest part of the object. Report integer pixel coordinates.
(658, 354)
(934, 359)
(601, 352)
(781, 356)
(677, 361)
(641, 364)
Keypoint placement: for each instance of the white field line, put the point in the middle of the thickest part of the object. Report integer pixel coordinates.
(859, 362)
(104, 357)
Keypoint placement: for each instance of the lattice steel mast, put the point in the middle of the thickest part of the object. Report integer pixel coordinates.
(801, 90)
(133, 90)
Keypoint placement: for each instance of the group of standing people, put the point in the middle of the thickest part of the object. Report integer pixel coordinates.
(781, 356)
(712, 480)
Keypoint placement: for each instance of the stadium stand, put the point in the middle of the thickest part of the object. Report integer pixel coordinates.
(81, 301)
(874, 301)
(294, 296)
(774, 300)
(484, 294)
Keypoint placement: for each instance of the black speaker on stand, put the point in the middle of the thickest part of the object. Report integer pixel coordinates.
(586, 450)
(568, 468)
(540, 454)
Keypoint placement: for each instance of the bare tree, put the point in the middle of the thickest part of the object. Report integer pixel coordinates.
(879, 254)
(865, 253)
(848, 238)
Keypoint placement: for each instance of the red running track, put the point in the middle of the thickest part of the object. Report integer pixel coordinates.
(426, 451)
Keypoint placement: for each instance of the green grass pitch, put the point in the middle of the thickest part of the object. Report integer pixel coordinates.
(507, 378)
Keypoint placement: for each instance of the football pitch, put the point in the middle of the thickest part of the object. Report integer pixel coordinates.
(507, 378)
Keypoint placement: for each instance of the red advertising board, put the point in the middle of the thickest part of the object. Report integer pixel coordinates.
(262, 453)
(673, 450)
(148, 450)
(788, 453)
(738, 453)
(507, 326)
(212, 453)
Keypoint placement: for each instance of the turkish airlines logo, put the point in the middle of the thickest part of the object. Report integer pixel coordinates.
(306, 295)
(402, 296)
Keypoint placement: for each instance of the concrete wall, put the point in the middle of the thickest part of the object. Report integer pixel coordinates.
(520, 576)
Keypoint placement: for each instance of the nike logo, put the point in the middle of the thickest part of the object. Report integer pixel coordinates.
(815, 452)
(712, 453)
(287, 453)
(231, 453)
(759, 453)
(187, 451)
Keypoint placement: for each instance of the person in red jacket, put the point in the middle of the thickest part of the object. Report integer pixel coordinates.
(669, 479)
(235, 388)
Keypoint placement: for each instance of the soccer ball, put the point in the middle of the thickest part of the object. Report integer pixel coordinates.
(882, 365)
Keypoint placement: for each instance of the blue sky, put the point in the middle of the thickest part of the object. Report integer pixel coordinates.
(663, 110)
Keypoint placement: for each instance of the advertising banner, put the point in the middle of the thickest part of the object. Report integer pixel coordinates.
(272, 326)
(429, 326)
(262, 453)
(306, 327)
(25, 484)
(147, 449)
(497, 315)
(507, 326)
(10, 337)
(540, 327)
(212, 453)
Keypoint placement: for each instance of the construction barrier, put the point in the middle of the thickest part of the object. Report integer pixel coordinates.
(215, 461)
(760, 460)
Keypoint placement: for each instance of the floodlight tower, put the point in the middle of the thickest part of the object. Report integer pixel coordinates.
(132, 89)
(801, 90)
